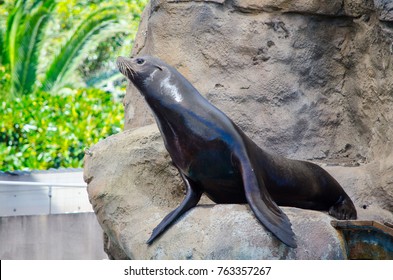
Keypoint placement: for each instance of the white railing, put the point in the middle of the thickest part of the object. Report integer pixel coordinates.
(41, 184)
(42, 198)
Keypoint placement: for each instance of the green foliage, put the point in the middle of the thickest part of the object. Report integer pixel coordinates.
(34, 54)
(23, 33)
(41, 43)
(65, 61)
(43, 130)
(49, 50)
(23, 42)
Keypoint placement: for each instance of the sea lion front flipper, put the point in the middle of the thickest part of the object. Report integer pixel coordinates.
(193, 195)
(261, 203)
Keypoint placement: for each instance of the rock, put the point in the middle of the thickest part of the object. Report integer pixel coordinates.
(322, 7)
(334, 102)
(385, 9)
(132, 186)
(307, 79)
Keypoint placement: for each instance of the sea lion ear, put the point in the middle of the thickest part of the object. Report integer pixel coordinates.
(159, 67)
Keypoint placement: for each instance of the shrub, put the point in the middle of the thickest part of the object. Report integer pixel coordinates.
(42, 130)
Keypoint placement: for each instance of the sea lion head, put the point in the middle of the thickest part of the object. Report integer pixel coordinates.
(143, 71)
(139, 68)
(154, 79)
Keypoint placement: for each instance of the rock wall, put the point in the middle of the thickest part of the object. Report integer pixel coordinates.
(307, 79)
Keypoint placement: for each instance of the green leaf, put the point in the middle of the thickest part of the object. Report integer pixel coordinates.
(46, 137)
(13, 22)
(24, 73)
(25, 27)
(67, 59)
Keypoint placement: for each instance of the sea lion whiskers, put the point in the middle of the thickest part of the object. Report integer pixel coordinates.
(126, 68)
(122, 67)
(130, 69)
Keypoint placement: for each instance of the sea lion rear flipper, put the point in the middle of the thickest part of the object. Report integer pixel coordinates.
(261, 203)
(193, 195)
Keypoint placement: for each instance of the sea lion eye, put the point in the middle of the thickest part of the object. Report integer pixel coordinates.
(140, 61)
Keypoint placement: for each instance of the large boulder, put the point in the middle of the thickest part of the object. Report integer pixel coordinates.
(132, 186)
(307, 79)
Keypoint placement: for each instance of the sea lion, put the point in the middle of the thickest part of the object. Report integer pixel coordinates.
(215, 157)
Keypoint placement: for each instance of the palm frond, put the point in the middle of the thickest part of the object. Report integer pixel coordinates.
(102, 77)
(24, 30)
(67, 59)
(2, 51)
(11, 33)
(26, 62)
(36, 4)
(49, 4)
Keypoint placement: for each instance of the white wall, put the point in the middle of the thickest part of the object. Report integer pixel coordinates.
(48, 197)
(46, 237)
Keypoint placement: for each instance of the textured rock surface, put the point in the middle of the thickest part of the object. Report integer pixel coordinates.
(307, 79)
(138, 188)
(303, 84)
(300, 83)
(385, 9)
